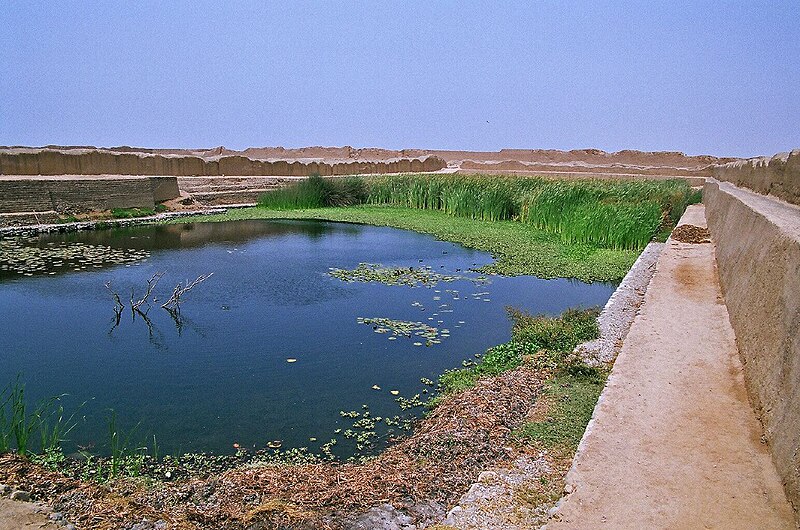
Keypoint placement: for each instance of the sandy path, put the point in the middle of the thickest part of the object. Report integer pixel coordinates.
(21, 515)
(675, 442)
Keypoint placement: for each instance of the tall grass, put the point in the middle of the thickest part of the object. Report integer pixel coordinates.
(615, 214)
(608, 214)
(316, 192)
(489, 199)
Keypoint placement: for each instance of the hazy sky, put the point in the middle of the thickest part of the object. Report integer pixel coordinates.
(711, 77)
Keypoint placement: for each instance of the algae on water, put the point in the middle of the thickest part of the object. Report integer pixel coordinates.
(375, 272)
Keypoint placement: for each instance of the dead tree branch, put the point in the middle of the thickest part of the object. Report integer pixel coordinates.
(151, 284)
(174, 301)
(118, 305)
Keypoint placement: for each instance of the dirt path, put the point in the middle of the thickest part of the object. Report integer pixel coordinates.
(675, 442)
(22, 515)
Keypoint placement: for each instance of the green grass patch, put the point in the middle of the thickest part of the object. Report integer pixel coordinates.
(519, 248)
(543, 342)
(571, 398)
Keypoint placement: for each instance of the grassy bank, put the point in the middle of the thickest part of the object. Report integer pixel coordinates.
(519, 248)
(605, 213)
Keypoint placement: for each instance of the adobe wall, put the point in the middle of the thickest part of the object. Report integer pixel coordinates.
(84, 194)
(778, 175)
(758, 254)
(28, 161)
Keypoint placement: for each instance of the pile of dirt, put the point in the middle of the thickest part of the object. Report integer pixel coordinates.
(465, 434)
(691, 234)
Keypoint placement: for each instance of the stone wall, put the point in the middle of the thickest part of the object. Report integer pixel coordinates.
(84, 194)
(758, 254)
(100, 162)
(778, 175)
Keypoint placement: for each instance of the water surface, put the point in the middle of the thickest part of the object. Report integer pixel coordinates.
(218, 373)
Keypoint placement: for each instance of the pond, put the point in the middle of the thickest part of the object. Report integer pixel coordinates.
(270, 348)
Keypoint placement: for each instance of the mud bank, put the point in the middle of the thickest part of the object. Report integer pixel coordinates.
(758, 255)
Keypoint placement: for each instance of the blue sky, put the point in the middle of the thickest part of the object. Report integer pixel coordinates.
(707, 77)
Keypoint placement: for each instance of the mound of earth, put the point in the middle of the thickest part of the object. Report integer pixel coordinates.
(691, 234)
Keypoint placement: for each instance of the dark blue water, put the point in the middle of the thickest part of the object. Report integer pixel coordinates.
(218, 374)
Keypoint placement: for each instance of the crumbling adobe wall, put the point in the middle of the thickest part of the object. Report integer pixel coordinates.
(758, 254)
(84, 194)
(778, 175)
(26, 161)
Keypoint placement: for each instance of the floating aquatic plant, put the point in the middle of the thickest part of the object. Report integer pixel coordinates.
(406, 328)
(375, 272)
(25, 256)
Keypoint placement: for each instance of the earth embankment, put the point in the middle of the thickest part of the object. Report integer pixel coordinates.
(758, 255)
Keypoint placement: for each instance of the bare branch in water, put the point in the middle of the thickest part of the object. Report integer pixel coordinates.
(174, 301)
(151, 284)
(118, 305)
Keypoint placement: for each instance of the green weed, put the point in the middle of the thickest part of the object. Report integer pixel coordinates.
(18, 424)
(571, 396)
(544, 342)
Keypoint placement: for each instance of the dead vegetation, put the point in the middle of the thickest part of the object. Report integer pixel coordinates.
(691, 234)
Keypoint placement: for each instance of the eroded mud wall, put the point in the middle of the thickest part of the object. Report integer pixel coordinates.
(778, 175)
(98, 162)
(758, 254)
(85, 194)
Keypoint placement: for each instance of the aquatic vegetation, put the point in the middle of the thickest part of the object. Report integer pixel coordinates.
(27, 256)
(624, 214)
(375, 272)
(317, 192)
(615, 214)
(485, 198)
(406, 328)
(19, 424)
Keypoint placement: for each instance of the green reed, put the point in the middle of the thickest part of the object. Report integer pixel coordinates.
(316, 192)
(605, 213)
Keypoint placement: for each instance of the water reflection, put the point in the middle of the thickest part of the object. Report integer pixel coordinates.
(60, 253)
